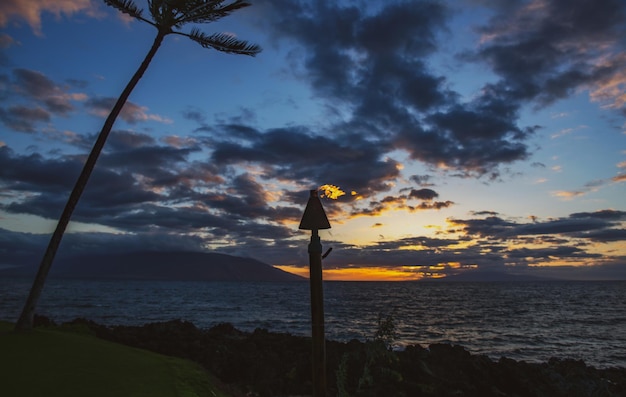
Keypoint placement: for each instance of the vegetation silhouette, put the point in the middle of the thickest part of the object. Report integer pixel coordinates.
(167, 15)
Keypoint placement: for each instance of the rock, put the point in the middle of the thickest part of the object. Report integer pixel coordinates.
(265, 363)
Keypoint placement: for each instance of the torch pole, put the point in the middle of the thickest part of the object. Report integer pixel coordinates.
(317, 316)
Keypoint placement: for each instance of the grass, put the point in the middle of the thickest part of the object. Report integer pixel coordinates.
(68, 362)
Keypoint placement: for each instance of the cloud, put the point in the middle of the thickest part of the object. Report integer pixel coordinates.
(544, 54)
(6, 41)
(131, 112)
(34, 174)
(437, 205)
(31, 10)
(577, 225)
(23, 119)
(422, 180)
(602, 214)
(348, 160)
(44, 99)
(141, 186)
(589, 187)
(610, 89)
(423, 194)
(400, 202)
(372, 64)
(164, 199)
(34, 85)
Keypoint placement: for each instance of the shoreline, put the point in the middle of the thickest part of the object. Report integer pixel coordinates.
(265, 363)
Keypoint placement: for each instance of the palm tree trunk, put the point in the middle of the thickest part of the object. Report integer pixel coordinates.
(25, 322)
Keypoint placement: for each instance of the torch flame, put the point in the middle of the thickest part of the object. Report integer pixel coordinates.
(331, 191)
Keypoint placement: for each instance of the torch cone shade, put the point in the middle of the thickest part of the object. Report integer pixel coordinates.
(314, 217)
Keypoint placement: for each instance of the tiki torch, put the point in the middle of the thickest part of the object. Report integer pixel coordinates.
(314, 219)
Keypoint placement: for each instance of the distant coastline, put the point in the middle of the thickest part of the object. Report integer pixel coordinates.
(153, 266)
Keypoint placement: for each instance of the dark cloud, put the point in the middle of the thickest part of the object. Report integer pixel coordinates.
(545, 52)
(20, 249)
(375, 61)
(194, 114)
(141, 186)
(34, 84)
(424, 194)
(560, 226)
(35, 174)
(422, 180)
(23, 119)
(43, 99)
(400, 202)
(603, 214)
(520, 256)
(296, 154)
(37, 86)
(492, 226)
(482, 213)
(125, 140)
(594, 226)
(148, 158)
(604, 236)
(435, 205)
(131, 167)
(475, 138)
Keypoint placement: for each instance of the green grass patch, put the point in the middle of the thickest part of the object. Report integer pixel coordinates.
(61, 362)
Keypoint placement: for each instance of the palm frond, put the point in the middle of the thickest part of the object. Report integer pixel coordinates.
(201, 11)
(224, 42)
(164, 13)
(126, 6)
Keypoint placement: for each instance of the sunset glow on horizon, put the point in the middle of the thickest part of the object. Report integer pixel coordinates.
(378, 273)
(356, 274)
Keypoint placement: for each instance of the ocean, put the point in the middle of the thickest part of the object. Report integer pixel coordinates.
(530, 321)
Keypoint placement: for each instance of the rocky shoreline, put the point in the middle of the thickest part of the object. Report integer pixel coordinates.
(263, 363)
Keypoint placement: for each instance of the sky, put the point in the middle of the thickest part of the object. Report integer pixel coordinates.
(467, 135)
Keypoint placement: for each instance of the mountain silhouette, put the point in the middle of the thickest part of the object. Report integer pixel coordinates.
(153, 265)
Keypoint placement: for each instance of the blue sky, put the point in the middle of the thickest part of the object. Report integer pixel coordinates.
(467, 135)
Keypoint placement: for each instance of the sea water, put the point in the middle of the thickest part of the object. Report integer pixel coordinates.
(530, 321)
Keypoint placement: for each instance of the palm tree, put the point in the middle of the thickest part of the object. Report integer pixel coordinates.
(168, 17)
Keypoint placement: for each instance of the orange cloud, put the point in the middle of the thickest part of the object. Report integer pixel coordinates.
(568, 195)
(131, 112)
(611, 91)
(31, 10)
